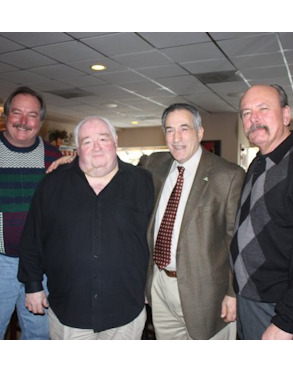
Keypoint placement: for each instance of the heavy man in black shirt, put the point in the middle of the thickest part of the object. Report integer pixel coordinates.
(86, 230)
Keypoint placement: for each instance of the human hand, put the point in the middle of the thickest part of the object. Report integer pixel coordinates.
(228, 312)
(275, 333)
(61, 161)
(36, 302)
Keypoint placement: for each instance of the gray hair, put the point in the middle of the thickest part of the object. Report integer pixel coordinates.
(26, 91)
(282, 95)
(182, 106)
(97, 118)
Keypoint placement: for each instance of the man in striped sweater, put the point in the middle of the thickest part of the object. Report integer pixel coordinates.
(24, 158)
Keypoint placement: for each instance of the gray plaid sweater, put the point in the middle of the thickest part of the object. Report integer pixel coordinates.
(262, 246)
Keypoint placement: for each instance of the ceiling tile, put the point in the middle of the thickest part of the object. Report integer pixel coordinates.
(215, 65)
(58, 71)
(289, 58)
(8, 46)
(82, 81)
(195, 52)
(48, 85)
(32, 39)
(110, 92)
(6, 68)
(229, 87)
(122, 77)
(116, 44)
(84, 35)
(260, 60)
(21, 77)
(286, 40)
(147, 59)
(250, 45)
(169, 39)
(181, 84)
(264, 72)
(69, 52)
(232, 35)
(147, 89)
(162, 71)
(26, 59)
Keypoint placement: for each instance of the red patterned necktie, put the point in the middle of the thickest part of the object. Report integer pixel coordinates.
(162, 255)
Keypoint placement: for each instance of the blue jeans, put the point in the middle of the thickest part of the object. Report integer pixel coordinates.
(12, 294)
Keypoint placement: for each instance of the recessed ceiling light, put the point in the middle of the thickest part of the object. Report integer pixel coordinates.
(109, 105)
(98, 67)
(134, 122)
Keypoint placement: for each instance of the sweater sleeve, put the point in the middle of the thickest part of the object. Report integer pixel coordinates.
(284, 308)
(284, 311)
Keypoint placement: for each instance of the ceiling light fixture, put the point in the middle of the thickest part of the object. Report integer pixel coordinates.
(109, 105)
(134, 122)
(98, 67)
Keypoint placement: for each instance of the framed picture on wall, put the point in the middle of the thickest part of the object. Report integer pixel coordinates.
(213, 146)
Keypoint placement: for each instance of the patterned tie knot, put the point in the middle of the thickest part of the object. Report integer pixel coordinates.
(181, 170)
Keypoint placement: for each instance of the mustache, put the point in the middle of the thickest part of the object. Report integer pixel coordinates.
(255, 127)
(20, 126)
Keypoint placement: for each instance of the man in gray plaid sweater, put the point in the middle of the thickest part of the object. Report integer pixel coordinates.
(262, 246)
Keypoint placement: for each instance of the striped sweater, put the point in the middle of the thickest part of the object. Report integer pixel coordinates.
(21, 170)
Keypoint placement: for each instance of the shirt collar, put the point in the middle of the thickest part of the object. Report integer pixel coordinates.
(190, 165)
(278, 154)
(19, 149)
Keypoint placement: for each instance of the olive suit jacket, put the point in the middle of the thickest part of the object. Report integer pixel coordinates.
(202, 259)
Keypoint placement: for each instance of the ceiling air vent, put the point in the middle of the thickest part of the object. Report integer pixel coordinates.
(218, 77)
(71, 93)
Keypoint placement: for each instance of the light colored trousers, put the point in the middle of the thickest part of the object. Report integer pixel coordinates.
(167, 313)
(130, 331)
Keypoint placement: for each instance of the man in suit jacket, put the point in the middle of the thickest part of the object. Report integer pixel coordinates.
(193, 298)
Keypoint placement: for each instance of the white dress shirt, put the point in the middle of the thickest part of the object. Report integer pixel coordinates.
(190, 170)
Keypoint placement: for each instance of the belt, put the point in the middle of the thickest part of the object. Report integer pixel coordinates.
(170, 273)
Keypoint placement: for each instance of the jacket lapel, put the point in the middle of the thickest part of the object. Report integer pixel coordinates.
(198, 189)
(160, 179)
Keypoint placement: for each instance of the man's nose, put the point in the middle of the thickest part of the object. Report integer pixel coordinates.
(23, 119)
(177, 136)
(254, 117)
(97, 145)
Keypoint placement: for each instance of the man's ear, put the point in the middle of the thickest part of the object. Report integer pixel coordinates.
(286, 115)
(200, 133)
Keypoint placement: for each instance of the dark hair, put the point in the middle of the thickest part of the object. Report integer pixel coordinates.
(27, 91)
(182, 106)
(282, 94)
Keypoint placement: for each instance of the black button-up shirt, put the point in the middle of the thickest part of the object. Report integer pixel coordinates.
(92, 247)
